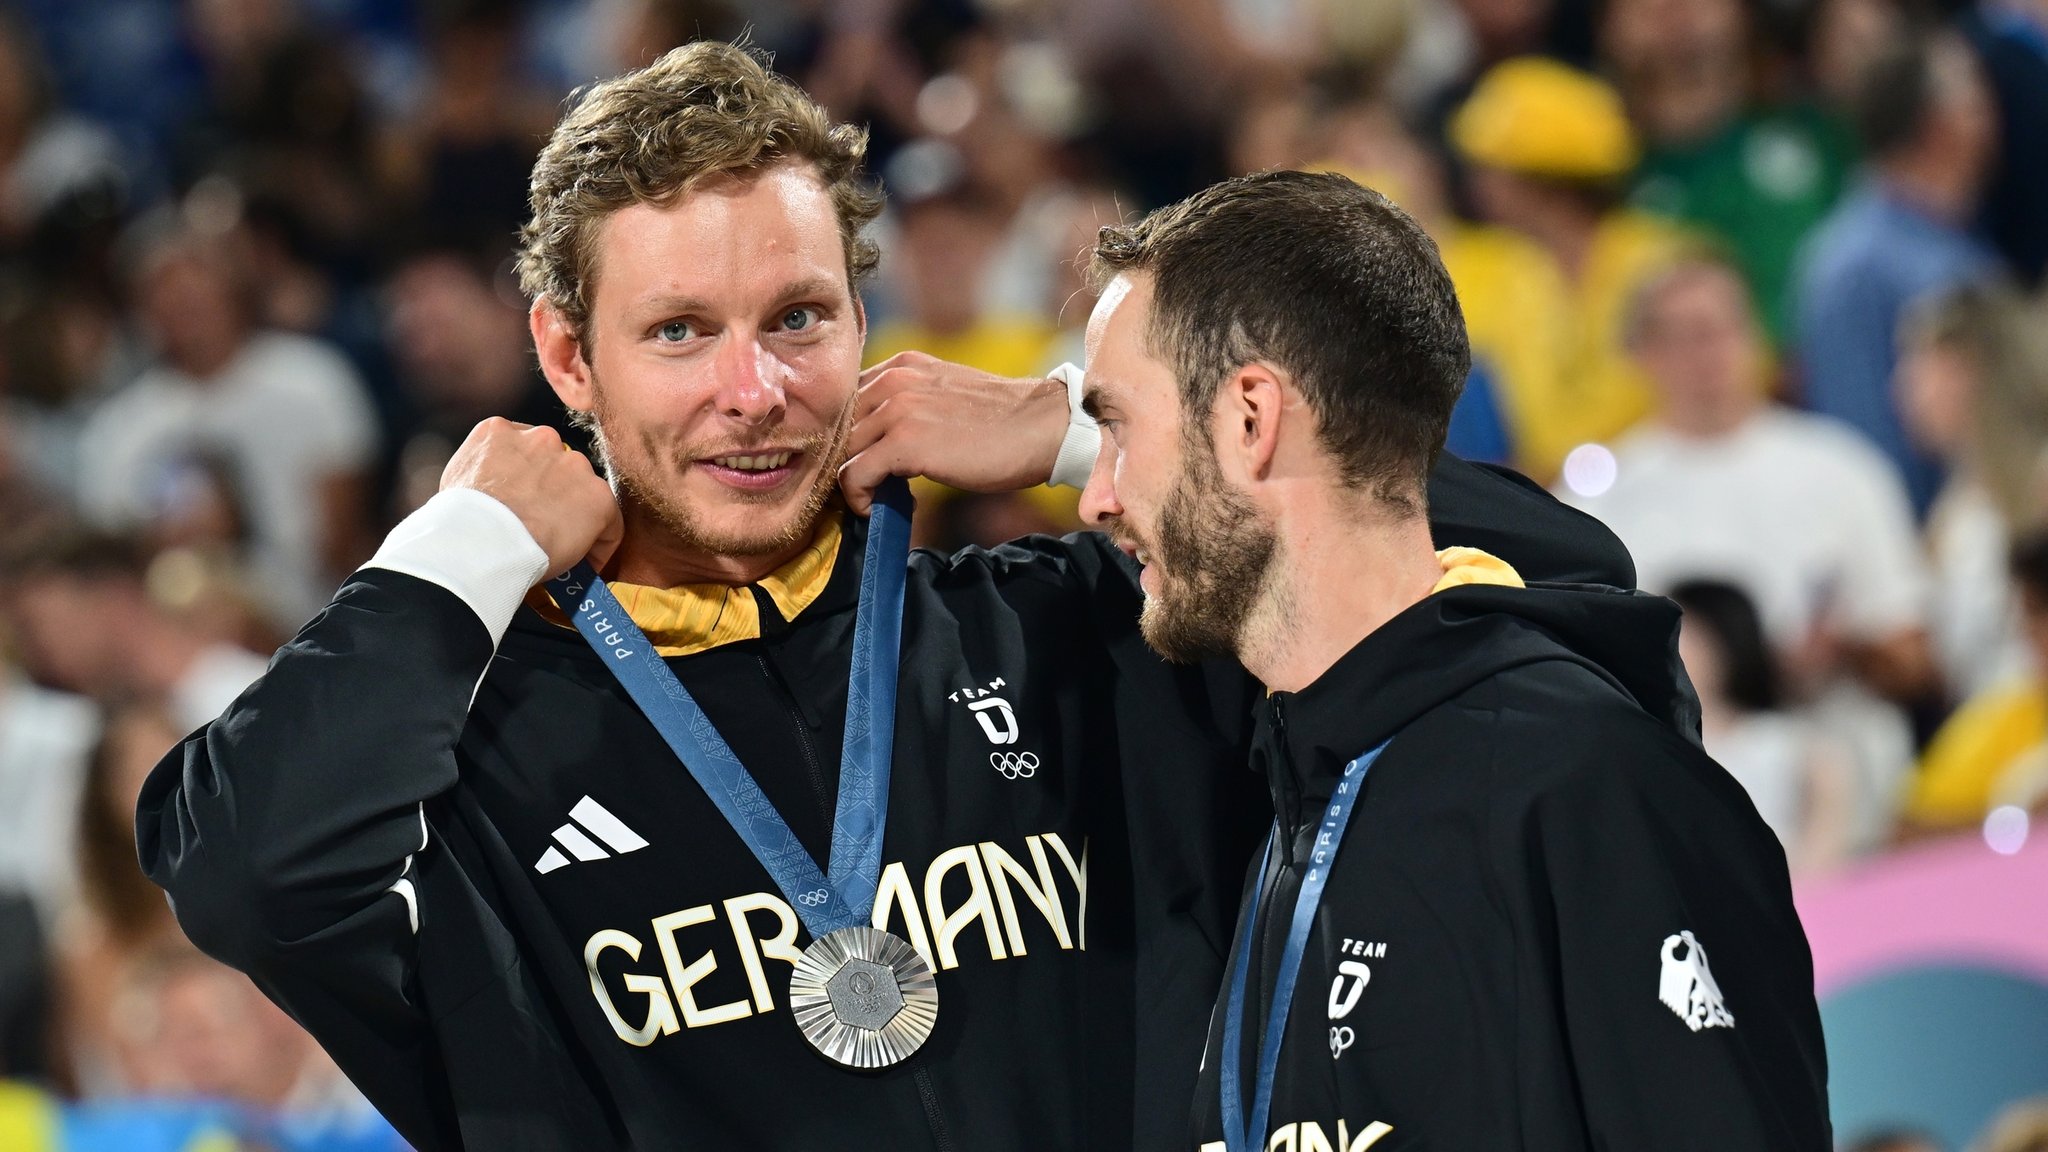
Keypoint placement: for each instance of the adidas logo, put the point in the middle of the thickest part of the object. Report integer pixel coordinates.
(600, 823)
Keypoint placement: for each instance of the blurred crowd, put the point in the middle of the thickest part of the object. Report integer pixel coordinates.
(1757, 282)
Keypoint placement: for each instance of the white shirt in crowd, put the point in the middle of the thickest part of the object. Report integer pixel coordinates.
(1809, 520)
(1974, 616)
(288, 413)
(1793, 508)
(45, 738)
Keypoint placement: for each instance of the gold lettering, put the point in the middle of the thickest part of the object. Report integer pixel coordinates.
(893, 891)
(1002, 868)
(781, 946)
(661, 1013)
(1283, 1139)
(1080, 874)
(1313, 1139)
(1367, 1136)
(684, 976)
(976, 906)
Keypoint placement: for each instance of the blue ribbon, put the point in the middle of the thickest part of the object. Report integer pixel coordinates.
(825, 903)
(1239, 1136)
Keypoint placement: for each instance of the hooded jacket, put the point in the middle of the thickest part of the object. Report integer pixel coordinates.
(1511, 951)
(441, 836)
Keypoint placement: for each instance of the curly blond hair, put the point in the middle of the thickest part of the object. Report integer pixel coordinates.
(649, 136)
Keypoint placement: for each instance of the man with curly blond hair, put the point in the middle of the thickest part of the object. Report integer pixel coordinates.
(528, 905)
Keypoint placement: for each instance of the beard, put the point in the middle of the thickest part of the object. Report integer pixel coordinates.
(1214, 555)
(648, 481)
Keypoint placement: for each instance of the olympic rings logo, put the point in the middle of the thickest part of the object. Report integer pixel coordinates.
(1014, 765)
(814, 898)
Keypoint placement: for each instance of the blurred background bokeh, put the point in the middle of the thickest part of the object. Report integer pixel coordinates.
(1758, 282)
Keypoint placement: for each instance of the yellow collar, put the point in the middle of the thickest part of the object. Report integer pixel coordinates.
(691, 618)
(1471, 566)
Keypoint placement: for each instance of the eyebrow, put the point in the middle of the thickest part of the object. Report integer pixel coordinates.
(1093, 398)
(795, 289)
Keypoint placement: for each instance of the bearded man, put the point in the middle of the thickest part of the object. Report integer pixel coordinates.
(631, 862)
(1498, 854)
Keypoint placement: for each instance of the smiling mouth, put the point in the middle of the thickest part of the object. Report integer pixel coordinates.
(760, 462)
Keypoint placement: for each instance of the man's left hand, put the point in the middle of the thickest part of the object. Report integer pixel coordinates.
(917, 415)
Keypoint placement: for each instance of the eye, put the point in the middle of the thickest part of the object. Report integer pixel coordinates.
(798, 319)
(675, 331)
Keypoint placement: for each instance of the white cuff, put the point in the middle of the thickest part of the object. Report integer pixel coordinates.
(1083, 440)
(473, 546)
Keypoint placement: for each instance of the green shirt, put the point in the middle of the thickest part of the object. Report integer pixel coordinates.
(1758, 185)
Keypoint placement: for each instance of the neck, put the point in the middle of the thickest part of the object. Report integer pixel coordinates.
(1568, 233)
(651, 554)
(1935, 184)
(1711, 421)
(1342, 568)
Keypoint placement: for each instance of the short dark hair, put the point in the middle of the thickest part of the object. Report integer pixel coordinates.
(1329, 282)
(1728, 613)
(1898, 89)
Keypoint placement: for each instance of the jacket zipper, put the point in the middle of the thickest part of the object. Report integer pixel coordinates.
(803, 738)
(927, 1091)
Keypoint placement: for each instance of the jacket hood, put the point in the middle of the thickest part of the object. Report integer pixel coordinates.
(1451, 641)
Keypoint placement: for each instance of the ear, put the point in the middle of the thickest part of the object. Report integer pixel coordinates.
(1247, 422)
(561, 355)
(860, 317)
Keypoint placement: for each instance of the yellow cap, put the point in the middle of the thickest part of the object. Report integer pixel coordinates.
(1539, 117)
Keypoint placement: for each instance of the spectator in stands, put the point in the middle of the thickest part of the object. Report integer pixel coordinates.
(1802, 783)
(1794, 509)
(463, 354)
(85, 616)
(45, 738)
(120, 916)
(2011, 40)
(462, 162)
(1755, 175)
(1973, 388)
(1549, 148)
(285, 410)
(1995, 748)
(46, 155)
(1929, 131)
(948, 232)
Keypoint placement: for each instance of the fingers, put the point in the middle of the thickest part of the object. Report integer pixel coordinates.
(882, 383)
(863, 473)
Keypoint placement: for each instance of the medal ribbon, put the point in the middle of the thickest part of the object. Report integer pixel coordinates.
(1238, 1135)
(825, 903)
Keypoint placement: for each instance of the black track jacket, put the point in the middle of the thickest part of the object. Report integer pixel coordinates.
(481, 880)
(1511, 952)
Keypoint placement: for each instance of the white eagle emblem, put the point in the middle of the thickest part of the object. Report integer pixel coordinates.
(1686, 985)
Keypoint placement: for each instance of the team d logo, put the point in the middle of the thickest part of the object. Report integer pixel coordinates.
(1686, 985)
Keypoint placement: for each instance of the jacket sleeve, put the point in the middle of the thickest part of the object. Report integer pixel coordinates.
(286, 832)
(1642, 862)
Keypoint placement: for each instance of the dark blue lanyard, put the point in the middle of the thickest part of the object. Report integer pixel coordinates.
(847, 897)
(1238, 1136)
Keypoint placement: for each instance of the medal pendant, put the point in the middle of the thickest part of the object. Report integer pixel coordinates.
(864, 997)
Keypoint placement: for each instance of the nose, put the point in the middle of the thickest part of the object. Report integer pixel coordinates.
(750, 388)
(1099, 504)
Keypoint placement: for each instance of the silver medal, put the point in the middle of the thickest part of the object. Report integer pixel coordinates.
(863, 997)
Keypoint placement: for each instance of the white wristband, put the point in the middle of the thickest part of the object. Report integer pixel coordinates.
(1083, 440)
(473, 546)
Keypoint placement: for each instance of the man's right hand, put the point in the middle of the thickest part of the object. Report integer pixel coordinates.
(566, 506)
(917, 415)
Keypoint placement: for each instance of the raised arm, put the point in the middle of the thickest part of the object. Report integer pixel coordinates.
(288, 831)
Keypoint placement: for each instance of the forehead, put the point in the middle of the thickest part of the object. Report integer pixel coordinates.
(726, 238)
